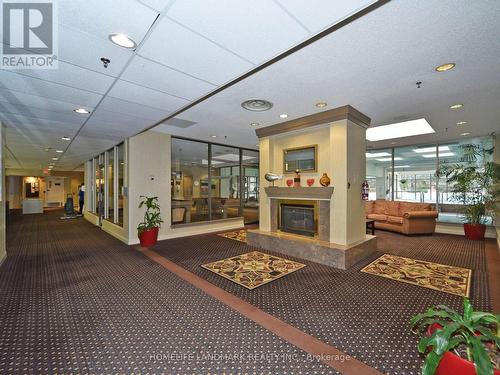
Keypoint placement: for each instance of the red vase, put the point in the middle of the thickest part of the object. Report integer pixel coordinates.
(475, 231)
(289, 182)
(452, 364)
(149, 237)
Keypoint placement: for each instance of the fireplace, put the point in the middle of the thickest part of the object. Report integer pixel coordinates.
(298, 218)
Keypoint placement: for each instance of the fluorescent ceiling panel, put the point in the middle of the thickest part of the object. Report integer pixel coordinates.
(231, 157)
(397, 158)
(399, 130)
(441, 155)
(377, 154)
(430, 149)
(205, 162)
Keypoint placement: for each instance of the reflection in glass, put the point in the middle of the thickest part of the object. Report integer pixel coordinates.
(378, 174)
(250, 186)
(225, 182)
(111, 186)
(121, 173)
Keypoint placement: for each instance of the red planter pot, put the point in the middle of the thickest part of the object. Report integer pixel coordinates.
(475, 231)
(452, 364)
(149, 238)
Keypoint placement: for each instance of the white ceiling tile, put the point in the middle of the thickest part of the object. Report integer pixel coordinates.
(114, 120)
(132, 109)
(102, 18)
(6, 107)
(181, 49)
(256, 30)
(50, 90)
(161, 78)
(27, 122)
(319, 14)
(73, 76)
(142, 95)
(85, 50)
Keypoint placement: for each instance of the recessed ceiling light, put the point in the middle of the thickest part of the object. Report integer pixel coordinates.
(82, 111)
(399, 130)
(55, 159)
(441, 155)
(461, 122)
(321, 104)
(66, 138)
(464, 134)
(122, 40)
(393, 143)
(456, 106)
(445, 67)
(283, 115)
(397, 158)
(254, 124)
(376, 154)
(257, 105)
(59, 151)
(213, 136)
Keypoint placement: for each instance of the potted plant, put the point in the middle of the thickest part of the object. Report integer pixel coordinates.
(148, 229)
(474, 182)
(456, 344)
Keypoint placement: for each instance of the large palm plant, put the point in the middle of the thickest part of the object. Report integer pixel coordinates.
(474, 182)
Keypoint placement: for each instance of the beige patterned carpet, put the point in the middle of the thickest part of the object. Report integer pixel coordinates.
(253, 269)
(448, 279)
(237, 235)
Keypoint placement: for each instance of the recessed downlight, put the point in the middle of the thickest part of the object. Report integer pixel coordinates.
(122, 40)
(66, 138)
(254, 124)
(283, 115)
(213, 136)
(321, 105)
(445, 67)
(456, 106)
(59, 151)
(81, 111)
(55, 159)
(461, 122)
(464, 134)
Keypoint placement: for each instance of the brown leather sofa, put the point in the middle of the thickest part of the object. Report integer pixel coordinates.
(402, 217)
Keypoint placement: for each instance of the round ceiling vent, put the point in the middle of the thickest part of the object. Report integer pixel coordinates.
(257, 105)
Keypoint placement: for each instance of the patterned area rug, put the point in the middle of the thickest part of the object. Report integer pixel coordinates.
(448, 279)
(253, 269)
(238, 235)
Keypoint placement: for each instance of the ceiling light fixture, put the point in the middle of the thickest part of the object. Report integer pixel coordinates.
(59, 151)
(464, 134)
(55, 159)
(81, 111)
(257, 105)
(461, 122)
(283, 115)
(376, 154)
(213, 136)
(122, 40)
(254, 124)
(456, 106)
(393, 143)
(397, 158)
(399, 130)
(66, 138)
(441, 155)
(445, 67)
(430, 149)
(321, 104)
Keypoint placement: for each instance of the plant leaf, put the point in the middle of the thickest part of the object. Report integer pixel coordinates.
(480, 356)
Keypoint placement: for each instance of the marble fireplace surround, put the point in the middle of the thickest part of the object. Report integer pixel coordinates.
(317, 249)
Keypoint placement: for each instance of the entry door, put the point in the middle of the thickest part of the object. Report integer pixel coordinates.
(54, 196)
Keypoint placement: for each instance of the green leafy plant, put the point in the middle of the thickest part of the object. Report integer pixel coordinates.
(474, 182)
(473, 329)
(152, 218)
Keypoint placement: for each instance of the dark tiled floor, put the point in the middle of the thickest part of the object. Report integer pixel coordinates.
(75, 300)
(361, 314)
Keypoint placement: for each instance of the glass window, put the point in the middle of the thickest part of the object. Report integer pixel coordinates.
(189, 181)
(250, 161)
(120, 165)
(415, 174)
(225, 182)
(378, 174)
(111, 186)
(97, 185)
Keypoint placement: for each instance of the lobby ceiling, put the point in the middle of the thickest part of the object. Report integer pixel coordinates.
(187, 49)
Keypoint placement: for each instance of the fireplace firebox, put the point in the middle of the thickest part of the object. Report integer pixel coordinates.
(298, 219)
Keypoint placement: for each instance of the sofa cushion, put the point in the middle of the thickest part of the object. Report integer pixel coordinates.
(379, 207)
(395, 219)
(392, 208)
(378, 217)
(405, 207)
(369, 207)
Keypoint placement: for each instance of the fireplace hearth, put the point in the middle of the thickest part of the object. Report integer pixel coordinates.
(298, 219)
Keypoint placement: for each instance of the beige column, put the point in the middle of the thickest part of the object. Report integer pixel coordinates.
(266, 157)
(348, 165)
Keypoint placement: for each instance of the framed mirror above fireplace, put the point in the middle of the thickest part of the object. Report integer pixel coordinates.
(304, 158)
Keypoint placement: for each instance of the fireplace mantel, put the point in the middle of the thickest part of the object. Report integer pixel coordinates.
(316, 193)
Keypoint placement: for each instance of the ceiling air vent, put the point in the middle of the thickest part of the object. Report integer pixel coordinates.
(257, 105)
